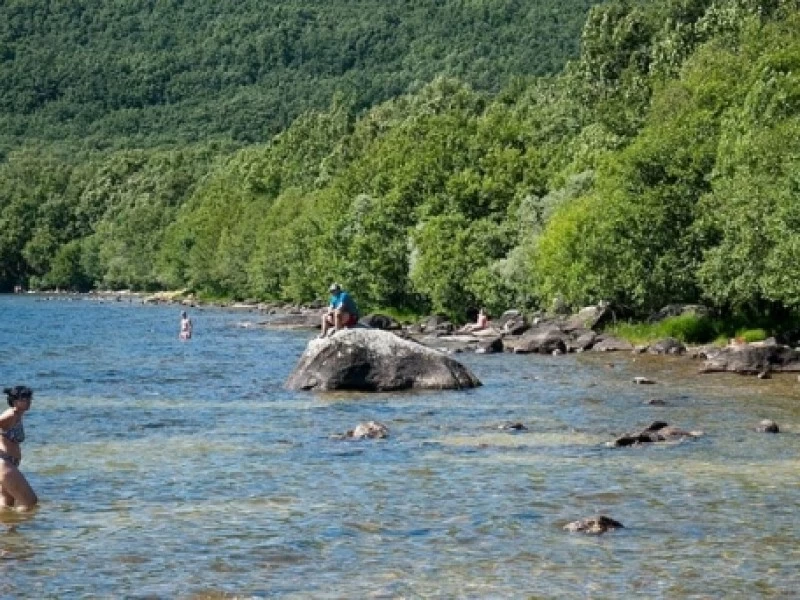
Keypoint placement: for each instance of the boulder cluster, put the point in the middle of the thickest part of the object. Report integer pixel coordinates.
(381, 355)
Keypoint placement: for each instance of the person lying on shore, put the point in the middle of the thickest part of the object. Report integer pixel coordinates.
(481, 322)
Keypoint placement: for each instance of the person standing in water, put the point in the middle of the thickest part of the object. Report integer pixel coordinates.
(186, 326)
(15, 491)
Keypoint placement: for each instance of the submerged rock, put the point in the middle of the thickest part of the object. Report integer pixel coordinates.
(374, 360)
(594, 525)
(655, 402)
(368, 430)
(768, 426)
(512, 426)
(658, 431)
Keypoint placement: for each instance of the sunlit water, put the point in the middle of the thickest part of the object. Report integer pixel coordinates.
(171, 469)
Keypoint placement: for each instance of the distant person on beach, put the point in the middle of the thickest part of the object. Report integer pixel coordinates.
(481, 322)
(342, 311)
(186, 326)
(15, 491)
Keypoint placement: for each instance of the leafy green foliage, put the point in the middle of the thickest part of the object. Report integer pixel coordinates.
(688, 328)
(660, 166)
(117, 74)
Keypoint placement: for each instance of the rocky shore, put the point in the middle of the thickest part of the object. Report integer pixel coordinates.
(515, 332)
(555, 335)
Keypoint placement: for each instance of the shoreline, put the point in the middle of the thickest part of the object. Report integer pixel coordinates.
(438, 333)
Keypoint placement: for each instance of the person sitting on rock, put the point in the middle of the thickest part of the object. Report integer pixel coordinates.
(481, 322)
(342, 311)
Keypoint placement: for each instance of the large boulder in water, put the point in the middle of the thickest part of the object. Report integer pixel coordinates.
(378, 361)
(544, 340)
(753, 358)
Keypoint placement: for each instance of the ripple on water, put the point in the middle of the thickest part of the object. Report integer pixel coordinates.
(185, 470)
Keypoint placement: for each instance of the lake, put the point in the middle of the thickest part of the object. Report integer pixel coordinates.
(171, 469)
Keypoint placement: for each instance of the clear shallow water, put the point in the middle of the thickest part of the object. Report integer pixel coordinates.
(169, 469)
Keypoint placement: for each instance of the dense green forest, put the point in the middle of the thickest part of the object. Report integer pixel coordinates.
(143, 73)
(661, 165)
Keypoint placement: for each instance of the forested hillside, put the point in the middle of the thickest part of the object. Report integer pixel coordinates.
(125, 73)
(662, 165)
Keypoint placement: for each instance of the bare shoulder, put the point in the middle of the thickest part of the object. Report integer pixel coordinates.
(7, 417)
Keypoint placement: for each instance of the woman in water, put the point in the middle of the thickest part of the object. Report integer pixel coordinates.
(15, 491)
(186, 326)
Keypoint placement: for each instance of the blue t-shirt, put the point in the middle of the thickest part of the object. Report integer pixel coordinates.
(344, 301)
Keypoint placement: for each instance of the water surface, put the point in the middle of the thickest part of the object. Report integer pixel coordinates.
(171, 469)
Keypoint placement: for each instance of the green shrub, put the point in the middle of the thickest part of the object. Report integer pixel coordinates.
(689, 328)
(751, 335)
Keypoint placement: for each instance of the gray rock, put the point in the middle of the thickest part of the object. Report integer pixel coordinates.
(583, 340)
(667, 346)
(490, 345)
(370, 429)
(379, 321)
(512, 322)
(753, 359)
(658, 431)
(612, 344)
(543, 340)
(768, 426)
(655, 402)
(590, 317)
(437, 323)
(594, 525)
(375, 360)
(512, 426)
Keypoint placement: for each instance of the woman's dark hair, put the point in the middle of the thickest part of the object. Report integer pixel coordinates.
(18, 392)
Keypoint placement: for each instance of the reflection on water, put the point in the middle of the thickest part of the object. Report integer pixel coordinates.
(170, 469)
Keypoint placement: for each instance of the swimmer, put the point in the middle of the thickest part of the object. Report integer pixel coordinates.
(186, 326)
(15, 491)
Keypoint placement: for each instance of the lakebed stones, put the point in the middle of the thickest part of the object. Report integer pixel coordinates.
(768, 426)
(658, 431)
(594, 525)
(513, 426)
(375, 360)
(655, 402)
(372, 430)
